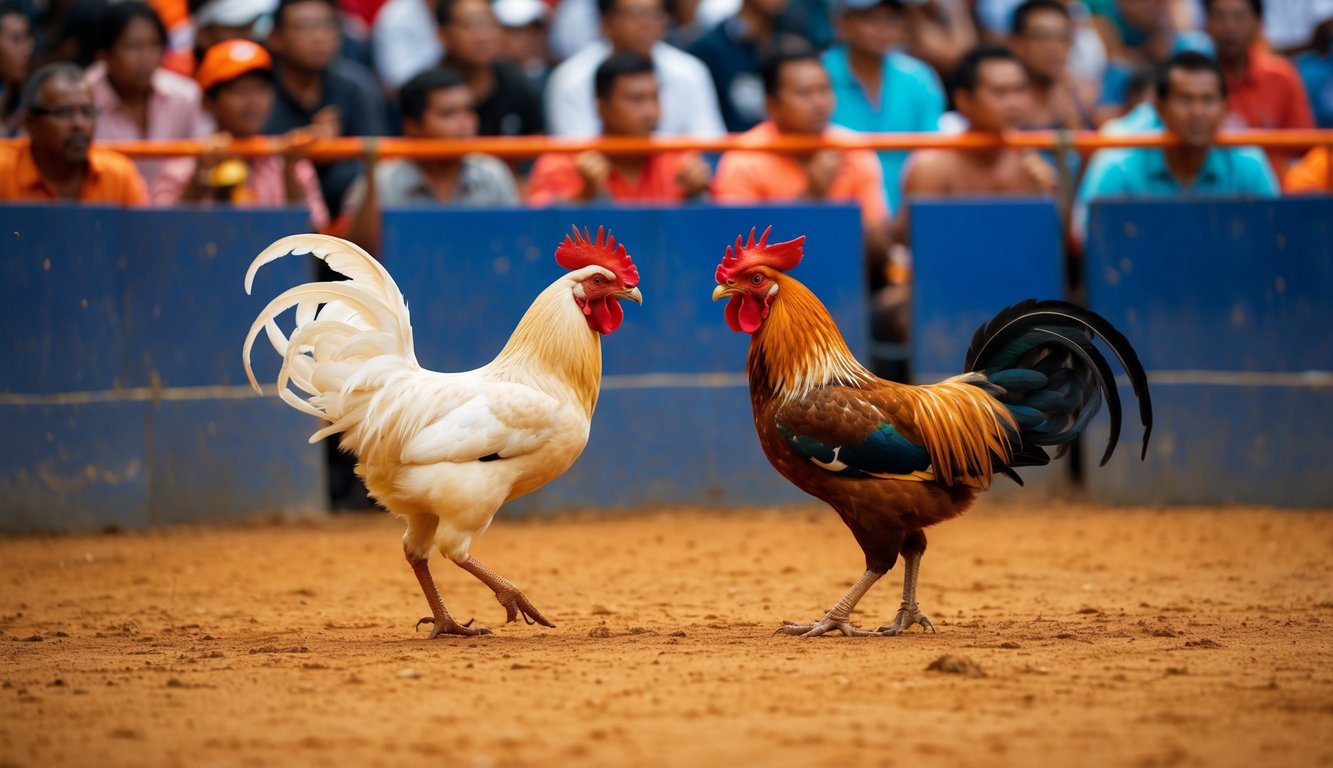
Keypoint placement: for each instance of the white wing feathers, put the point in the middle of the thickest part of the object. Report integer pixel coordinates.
(508, 420)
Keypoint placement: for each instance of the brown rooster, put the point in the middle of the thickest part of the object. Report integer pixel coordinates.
(892, 458)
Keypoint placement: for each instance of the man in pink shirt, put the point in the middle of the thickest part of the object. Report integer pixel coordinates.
(135, 97)
(237, 79)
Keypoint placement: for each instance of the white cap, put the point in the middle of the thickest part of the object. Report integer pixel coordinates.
(519, 13)
(232, 13)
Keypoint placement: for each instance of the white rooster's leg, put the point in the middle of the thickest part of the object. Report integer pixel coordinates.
(839, 617)
(417, 542)
(511, 597)
(909, 612)
(443, 622)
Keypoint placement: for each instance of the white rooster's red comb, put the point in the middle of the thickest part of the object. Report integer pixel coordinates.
(745, 256)
(579, 251)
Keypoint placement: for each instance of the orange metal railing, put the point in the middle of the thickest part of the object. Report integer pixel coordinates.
(531, 146)
(517, 147)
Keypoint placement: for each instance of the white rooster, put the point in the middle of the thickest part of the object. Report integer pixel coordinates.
(446, 450)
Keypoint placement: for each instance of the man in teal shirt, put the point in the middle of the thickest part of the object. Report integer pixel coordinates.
(1192, 104)
(878, 89)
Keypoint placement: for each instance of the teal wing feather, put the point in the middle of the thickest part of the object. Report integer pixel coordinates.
(843, 431)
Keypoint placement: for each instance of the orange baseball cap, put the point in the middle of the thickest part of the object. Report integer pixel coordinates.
(230, 59)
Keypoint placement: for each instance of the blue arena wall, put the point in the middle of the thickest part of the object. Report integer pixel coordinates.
(125, 404)
(1230, 305)
(123, 401)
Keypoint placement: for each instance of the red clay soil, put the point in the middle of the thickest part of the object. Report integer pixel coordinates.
(1079, 635)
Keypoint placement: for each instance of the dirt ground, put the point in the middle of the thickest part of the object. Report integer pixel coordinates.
(1128, 637)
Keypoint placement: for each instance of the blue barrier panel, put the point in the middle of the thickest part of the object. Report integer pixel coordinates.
(128, 396)
(673, 424)
(1230, 305)
(970, 259)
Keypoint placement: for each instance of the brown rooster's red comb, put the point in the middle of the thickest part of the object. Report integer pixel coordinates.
(779, 256)
(579, 251)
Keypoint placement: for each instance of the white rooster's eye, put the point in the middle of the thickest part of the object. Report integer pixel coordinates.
(597, 280)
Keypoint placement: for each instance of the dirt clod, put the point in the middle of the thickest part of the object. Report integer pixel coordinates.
(956, 665)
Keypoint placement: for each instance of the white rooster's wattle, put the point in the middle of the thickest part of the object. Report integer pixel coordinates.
(446, 450)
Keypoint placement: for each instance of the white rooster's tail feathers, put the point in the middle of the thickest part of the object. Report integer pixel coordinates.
(361, 334)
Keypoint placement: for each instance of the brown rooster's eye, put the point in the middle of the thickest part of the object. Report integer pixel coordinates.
(757, 279)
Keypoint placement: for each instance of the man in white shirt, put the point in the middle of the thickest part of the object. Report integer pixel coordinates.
(688, 99)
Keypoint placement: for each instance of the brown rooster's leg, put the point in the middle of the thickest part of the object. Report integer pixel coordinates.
(444, 623)
(909, 612)
(511, 597)
(839, 617)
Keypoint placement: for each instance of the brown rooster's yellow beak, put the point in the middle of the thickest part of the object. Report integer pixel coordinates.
(632, 294)
(722, 290)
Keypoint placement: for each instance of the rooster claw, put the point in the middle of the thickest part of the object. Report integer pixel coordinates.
(517, 604)
(451, 627)
(824, 626)
(907, 616)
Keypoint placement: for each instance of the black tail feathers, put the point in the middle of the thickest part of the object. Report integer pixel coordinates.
(1041, 354)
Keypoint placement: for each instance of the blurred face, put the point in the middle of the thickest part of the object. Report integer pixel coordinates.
(449, 114)
(1044, 45)
(872, 31)
(473, 36)
(15, 48)
(242, 106)
(1194, 108)
(633, 26)
(631, 109)
(1233, 26)
(523, 44)
(135, 55)
(61, 122)
(1001, 100)
(804, 99)
(306, 35)
(1143, 15)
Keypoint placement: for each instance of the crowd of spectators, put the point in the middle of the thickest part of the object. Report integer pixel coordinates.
(326, 68)
(75, 72)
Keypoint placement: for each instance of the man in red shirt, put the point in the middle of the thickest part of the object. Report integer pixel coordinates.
(57, 161)
(627, 103)
(1265, 89)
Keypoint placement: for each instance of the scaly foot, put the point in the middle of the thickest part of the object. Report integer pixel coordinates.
(823, 626)
(907, 616)
(447, 626)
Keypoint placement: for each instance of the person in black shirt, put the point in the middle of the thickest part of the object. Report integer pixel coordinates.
(317, 89)
(507, 103)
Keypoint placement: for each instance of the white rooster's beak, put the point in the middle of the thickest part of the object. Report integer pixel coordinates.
(632, 294)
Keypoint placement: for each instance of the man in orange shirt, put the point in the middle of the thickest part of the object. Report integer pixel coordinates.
(57, 161)
(1265, 89)
(628, 105)
(798, 95)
